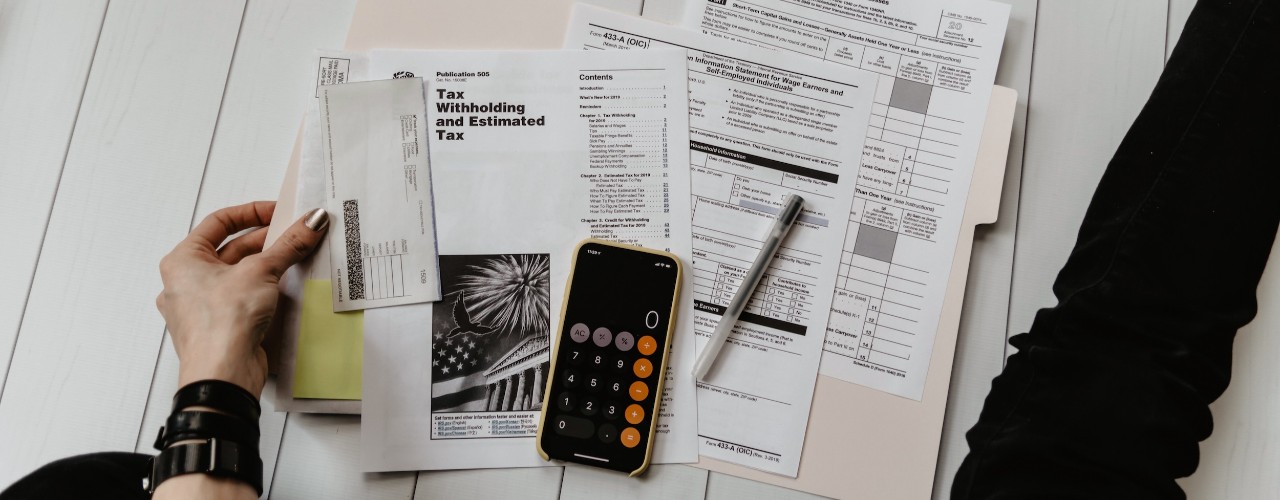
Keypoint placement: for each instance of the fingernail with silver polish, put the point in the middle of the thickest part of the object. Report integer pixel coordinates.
(317, 220)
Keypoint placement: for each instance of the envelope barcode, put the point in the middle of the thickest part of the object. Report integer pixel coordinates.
(355, 261)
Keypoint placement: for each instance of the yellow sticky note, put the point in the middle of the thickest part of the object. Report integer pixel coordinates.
(330, 347)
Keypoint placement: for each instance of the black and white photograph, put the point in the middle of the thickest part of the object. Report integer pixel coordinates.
(490, 334)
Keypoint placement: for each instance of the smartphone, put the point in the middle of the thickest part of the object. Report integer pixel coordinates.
(610, 357)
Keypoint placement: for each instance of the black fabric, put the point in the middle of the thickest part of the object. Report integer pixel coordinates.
(1108, 394)
(105, 476)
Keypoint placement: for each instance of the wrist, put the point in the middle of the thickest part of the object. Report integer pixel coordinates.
(189, 486)
(235, 371)
(212, 431)
(241, 379)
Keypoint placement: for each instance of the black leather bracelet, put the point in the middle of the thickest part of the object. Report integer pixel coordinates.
(220, 395)
(185, 425)
(212, 456)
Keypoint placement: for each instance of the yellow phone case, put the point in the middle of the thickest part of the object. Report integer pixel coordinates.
(666, 348)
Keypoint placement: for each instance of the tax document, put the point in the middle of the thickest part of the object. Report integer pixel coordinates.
(761, 126)
(936, 62)
(378, 182)
(531, 152)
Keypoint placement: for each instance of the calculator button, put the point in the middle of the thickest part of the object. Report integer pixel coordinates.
(624, 341)
(590, 407)
(630, 437)
(635, 414)
(576, 355)
(611, 410)
(647, 345)
(571, 378)
(615, 387)
(602, 336)
(594, 382)
(607, 433)
(566, 425)
(639, 390)
(618, 364)
(643, 368)
(566, 401)
(598, 360)
(579, 333)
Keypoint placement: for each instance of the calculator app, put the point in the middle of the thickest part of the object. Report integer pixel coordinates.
(605, 382)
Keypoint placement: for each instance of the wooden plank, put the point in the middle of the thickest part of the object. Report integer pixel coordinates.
(46, 48)
(1097, 62)
(265, 98)
(1239, 460)
(658, 483)
(983, 321)
(726, 487)
(1179, 11)
(90, 336)
(529, 483)
(319, 458)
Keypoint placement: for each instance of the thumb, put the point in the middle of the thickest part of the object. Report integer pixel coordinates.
(297, 242)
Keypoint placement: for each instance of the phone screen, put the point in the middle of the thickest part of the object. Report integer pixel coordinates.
(604, 390)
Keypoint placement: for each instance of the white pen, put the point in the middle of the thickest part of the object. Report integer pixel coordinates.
(786, 217)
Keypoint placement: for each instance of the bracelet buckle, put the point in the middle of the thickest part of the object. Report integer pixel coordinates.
(222, 459)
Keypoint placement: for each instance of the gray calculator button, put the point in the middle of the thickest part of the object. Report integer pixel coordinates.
(579, 333)
(602, 336)
(624, 341)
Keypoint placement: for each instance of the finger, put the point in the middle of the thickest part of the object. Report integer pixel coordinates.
(242, 247)
(296, 243)
(219, 225)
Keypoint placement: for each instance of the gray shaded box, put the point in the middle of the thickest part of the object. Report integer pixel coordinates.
(875, 243)
(911, 96)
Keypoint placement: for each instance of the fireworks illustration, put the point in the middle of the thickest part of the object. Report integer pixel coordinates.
(510, 293)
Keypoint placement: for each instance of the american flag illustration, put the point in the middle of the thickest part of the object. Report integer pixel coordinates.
(492, 303)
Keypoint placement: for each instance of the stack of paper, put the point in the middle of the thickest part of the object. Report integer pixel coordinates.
(872, 113)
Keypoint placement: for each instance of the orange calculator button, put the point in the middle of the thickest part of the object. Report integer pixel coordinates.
(643, 368)
(647, 345)
(635, 414)
(630, 437)
(639, 390)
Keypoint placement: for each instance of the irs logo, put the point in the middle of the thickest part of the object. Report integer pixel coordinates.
(402, 74)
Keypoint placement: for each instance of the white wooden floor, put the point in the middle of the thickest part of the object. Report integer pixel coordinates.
(123, 121)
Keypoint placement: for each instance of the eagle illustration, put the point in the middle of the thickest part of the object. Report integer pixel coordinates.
(462, 318)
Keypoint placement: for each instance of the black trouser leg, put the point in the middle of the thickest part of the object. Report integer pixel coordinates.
(1108, 394)
(99, 476)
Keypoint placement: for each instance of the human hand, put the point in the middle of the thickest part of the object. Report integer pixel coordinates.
(218, 303)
